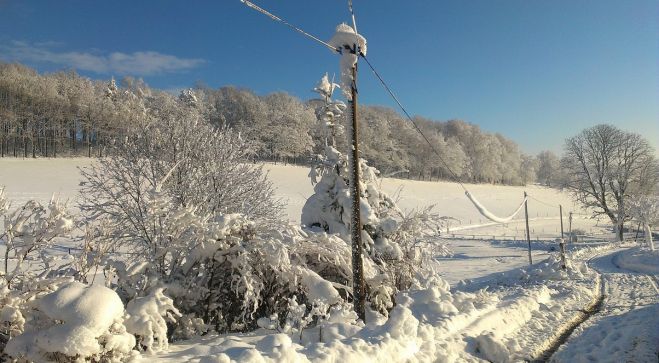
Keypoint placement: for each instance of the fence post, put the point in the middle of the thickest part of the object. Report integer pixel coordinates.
(528, 235)
(561, 243)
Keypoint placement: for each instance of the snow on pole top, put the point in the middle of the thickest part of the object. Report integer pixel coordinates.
(350, 45)
(345, 35)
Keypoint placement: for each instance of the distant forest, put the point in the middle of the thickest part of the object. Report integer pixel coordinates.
(65, 114)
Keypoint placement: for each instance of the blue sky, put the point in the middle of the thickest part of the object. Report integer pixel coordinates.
(535, 71)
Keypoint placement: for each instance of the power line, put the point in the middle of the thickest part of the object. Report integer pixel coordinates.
(391, 93)
(375, 72)
(545, 203)
(276, 18)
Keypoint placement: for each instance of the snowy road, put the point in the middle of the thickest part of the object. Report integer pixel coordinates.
(477, 258)
(627, 327)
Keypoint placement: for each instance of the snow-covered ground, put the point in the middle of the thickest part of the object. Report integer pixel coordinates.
(487, 305)
(469, 234)
(627, 327)
(41, 178)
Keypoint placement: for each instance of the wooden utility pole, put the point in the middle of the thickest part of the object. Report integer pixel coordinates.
(561, 244)
(358, 289)
(528, 234)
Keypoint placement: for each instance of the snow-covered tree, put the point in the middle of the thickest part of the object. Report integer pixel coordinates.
(329, 113)
(548, 166)
(528, 169)
(288, 123)
(388, 245)
(645, 209)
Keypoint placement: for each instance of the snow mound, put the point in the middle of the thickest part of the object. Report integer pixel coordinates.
(492, 348)
(551, 269)
(82, 321)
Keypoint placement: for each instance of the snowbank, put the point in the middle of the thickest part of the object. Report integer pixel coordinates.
(639, 260)
(80, 321)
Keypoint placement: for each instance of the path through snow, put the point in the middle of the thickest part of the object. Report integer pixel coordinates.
(627, 327)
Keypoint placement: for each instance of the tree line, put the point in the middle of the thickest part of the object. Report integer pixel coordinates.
(65, 114)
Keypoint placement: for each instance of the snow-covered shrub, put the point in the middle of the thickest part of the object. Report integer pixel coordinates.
(17, 304)
(147, 318)
(176, 152)
(94, 249)
(226, 270)
(12, 321)
(27, 232)
(75, 323)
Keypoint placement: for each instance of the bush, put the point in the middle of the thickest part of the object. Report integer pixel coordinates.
(174, 152)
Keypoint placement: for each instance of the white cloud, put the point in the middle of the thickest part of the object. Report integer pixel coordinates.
(138, 63)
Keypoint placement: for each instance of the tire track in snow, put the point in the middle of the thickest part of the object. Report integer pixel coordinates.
(622, 298)
(544, 353)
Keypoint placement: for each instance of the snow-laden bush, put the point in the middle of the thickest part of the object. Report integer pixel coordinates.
(74, 323)
(27, 231)
(178, 153)
(552, 269)
(226, 270)
(17, 304)
(148, 317)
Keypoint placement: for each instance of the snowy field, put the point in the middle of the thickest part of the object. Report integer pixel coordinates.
(469, 234)
(489, 304)
(40, 179)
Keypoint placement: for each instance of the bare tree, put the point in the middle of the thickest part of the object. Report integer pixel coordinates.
(605, 166)
(207, 165)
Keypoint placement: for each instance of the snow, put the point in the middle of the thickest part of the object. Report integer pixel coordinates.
(486, 303)
(489, 215)
(85, 314)
(639, 260)
(39, 179)
(147, 318)
(317, 288)
(351, 45)
(627, 329)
